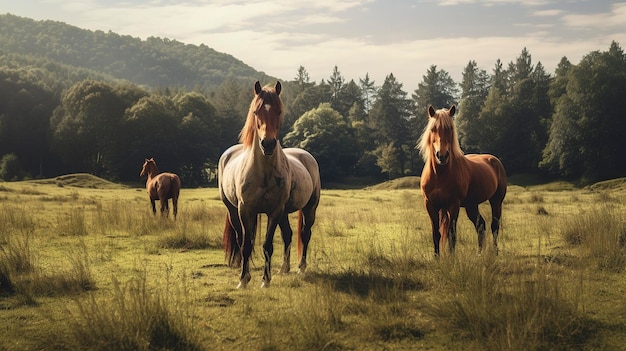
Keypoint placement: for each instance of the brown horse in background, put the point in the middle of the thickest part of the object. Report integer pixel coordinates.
(259, 176)
(451, 180)
(161, 186)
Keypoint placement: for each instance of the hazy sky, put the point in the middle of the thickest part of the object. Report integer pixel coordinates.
(378, 37)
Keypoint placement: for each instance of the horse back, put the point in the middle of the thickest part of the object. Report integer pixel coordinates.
(165, 185)
(231, 152)
(488, 178)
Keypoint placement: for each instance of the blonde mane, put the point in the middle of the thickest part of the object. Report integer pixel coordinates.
(440, 121)
(267, 96)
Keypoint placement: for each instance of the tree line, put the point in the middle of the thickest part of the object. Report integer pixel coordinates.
(55, 119)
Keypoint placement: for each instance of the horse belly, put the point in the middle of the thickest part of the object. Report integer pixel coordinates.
(301, 187)
(483, 181)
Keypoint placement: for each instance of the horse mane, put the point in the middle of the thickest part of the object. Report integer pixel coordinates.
(440, 120)
(267, 95)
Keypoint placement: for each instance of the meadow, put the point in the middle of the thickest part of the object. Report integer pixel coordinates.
(85, 266)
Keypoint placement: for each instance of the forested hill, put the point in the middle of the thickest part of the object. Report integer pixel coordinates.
(155, 62)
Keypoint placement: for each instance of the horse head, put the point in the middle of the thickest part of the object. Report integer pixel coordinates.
(265, 118)
(442, 135)
(149, 168)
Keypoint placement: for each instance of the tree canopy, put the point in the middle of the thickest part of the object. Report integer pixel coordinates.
(100, 103)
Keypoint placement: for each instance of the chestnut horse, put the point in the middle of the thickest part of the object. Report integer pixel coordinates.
(451, 180)
(258, 176)
(161, 186)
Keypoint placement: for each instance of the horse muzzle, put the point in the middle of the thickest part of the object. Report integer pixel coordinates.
(442, 159)
(268, 146)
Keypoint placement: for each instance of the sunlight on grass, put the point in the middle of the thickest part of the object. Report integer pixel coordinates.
(90, 268)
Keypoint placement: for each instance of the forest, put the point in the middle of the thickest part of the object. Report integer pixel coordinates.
(73, 100)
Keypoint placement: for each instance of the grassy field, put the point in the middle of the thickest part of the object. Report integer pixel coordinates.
(85, 266)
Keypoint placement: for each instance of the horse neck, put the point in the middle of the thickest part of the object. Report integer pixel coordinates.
(455, 164)
(152, 172)
(266, 163)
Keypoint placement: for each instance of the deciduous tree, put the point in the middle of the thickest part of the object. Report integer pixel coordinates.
(326, 135)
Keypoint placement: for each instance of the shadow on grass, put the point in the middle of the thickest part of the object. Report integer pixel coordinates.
(367, 284)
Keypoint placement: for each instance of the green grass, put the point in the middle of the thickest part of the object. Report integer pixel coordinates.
(85, 265)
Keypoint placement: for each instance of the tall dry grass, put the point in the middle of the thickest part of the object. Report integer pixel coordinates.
(372, 281)
(135, 316)
(487, 302)
(22, 272)
(600, 231)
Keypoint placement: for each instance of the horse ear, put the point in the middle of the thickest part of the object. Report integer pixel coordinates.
(452, 110)
(257, 88)
(431, 111)
(278, 87)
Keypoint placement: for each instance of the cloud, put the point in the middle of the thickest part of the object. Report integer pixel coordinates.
(547, 13)
(615, 18)
(359, 36)
(490, 3)
(410, 60)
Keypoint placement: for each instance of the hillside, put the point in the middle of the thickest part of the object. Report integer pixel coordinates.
(80, 180)
(155, 62)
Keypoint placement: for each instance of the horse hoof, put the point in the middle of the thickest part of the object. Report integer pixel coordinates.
(243, 282)
(265, 284)
(302, 269)
(285, 268)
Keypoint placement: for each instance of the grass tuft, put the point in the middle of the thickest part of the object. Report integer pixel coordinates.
(135, 317)
(187, 237)
(499, 312)
(601, 233)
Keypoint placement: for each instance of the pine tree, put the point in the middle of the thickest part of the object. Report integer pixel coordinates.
(474, 90)
(389, 118)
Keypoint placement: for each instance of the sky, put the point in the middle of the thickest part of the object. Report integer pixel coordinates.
(373, 37)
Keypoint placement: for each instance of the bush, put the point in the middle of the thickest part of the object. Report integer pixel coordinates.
(10, 168)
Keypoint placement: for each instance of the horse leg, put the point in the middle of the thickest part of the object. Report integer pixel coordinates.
(444, 227)
(479, 223)
(153, 206)
(268, 249)
(454, 216)
(175, 206)
(496, 214)
(306, 219)
(287, 234)
(433, 214)
(248, 223)
(163, 206)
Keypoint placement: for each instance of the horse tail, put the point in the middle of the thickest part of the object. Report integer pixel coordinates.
(229, 241)
(175, 187)
(299, 232)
